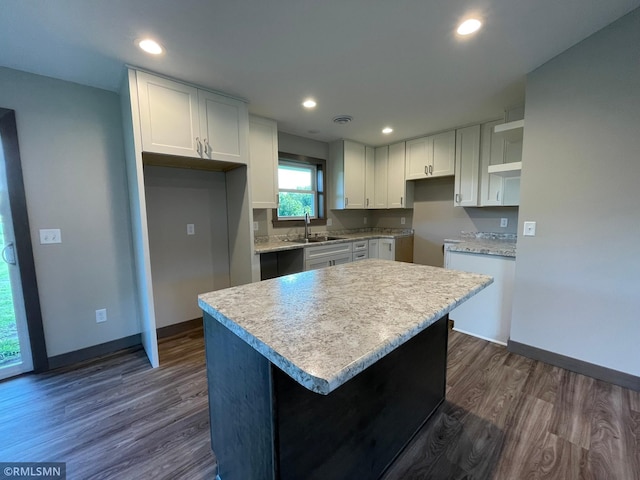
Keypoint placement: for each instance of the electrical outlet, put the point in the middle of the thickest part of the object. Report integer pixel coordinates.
(504, 222)
(402, 220)
(329, 222)
(191, 229)
(529, 229)
(50, 235)
(256, 226)
(101, 315)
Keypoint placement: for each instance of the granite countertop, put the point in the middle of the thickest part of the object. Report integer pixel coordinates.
(503, 245)
(323, 327)
(279, 245)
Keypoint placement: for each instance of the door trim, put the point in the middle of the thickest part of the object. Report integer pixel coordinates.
(22, 232)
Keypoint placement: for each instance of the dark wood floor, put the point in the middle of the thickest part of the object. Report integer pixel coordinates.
(506, 417)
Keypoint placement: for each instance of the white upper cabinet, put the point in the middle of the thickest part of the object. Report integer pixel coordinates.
(467, 166)
(399, 192)
(263, 162)
(168, 116)
(381, 165)
(179, 119)
(370, 177)
(347, 175)
(431, 156)
(224, 127)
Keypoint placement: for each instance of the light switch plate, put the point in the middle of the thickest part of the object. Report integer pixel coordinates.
(402, 220)
(529, 229)
(329, 222)
(50, 235)
(256, 226)
(191, 229)
(101, 315)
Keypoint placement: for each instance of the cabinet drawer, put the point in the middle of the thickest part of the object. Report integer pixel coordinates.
(361, 246)
(311, 253)
(360, 256)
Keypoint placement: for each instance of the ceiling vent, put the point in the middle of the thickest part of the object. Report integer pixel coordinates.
(342, 119)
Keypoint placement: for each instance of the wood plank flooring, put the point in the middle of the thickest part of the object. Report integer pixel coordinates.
(506, 417)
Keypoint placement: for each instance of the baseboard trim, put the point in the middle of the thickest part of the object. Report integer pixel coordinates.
(585, 368)
(178, 328)
(66, 359)
(492, 340)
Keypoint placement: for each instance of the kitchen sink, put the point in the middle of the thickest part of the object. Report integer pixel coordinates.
(317, 239)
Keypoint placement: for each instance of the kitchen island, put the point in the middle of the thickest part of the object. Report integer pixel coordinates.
(327, 373)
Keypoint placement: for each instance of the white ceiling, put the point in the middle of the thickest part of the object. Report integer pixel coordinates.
(395, 63)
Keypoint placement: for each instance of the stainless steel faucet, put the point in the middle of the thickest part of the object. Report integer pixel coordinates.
(307, 222)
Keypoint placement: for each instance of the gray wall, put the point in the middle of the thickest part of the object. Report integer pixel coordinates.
(577, 281)
(74, 172)
(182, 266)
(435, 218)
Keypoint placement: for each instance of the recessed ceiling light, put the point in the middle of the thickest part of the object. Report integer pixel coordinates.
(309, 103)
(387, 130)
(150, 46)
(469, 26)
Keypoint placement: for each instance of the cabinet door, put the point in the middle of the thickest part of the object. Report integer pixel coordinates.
(354, 175)
(224, 127)
(168, 116)
(263, 162)
(418, 158)
(467, 166)
(373, 248)
(444, 154)
(370, 177)
(400, 194)
(343, 258)
(317, 263)
(381, 164)
(387, 249)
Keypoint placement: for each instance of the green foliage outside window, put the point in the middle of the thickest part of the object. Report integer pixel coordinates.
(295, 204)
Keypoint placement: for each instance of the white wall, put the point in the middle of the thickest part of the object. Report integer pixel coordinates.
(74, 172)
(577, 287)
(182, 266)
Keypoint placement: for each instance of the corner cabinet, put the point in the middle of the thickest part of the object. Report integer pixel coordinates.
(431, 156)
(179, 119)
(467, 166)
(263, 162)
(348, 163)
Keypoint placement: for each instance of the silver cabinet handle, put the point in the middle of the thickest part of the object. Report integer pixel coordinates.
(426, 170)
(498, 196)
(198, 146)
(430, 169)
(207, 147)
(401, 200)
(367, 202)
(346, 202)
(457, 198)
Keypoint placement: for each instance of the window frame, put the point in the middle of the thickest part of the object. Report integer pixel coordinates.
(320, 181)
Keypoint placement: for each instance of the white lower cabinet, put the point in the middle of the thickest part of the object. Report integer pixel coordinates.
(487, 315)
(387, 249)
(360, 250)
(327, 255)
(373, 248)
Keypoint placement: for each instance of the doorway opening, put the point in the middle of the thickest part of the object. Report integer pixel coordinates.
(22, 344)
